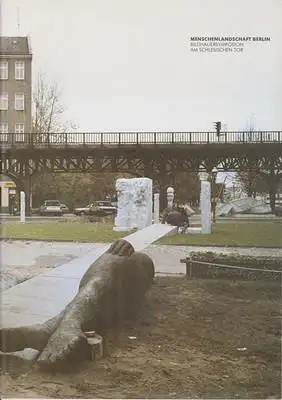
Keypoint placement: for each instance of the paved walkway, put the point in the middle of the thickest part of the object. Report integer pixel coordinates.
(24, 259)
(167, 257)
(44, 296)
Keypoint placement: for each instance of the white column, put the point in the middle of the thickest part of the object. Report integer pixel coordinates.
(4, 196)
(156, 208)
(203, 176)
(22, 206)
(206, 206)
(170, 197)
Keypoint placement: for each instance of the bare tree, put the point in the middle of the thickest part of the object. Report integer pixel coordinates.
(48, 110)
(265, 181)
(48, 124)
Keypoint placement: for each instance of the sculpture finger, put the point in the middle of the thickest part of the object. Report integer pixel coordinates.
(117, 247)
(126, 249)
(62, 349)
(110, 249)
(114, 248)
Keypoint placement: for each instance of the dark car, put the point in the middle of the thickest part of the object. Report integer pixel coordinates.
(103, 208)
(278, 211)
(65, 209)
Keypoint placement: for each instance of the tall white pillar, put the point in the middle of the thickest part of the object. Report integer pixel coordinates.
(22, 206)
(206, 206)
(170, 197)
(203, 176)
(4, 196)
(156, 208)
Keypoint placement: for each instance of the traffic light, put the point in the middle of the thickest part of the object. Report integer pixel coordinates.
(217, 127)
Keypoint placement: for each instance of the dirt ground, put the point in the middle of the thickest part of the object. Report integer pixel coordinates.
(194, 339)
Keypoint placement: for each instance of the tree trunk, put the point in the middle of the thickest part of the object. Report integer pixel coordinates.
(273, 181)
(272, 193)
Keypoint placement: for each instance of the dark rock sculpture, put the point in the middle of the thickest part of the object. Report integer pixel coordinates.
(112, 289)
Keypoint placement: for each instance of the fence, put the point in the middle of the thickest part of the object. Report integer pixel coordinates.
(136, 138)
(208, 269)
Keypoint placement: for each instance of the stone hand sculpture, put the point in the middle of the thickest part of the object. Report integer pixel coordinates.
(112, 289)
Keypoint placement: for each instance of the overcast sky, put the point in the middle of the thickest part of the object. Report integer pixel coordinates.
(127, 64)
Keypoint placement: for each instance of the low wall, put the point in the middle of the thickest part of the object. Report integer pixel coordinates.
(223, 266)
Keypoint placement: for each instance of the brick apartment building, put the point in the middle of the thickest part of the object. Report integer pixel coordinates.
(15, 99)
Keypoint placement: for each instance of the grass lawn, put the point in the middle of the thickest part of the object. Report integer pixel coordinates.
(260, 233)
(69, 231)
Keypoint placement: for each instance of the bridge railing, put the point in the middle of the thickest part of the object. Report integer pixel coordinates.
(135, 138)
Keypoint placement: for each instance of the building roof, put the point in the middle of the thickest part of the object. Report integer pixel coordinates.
(14, 45)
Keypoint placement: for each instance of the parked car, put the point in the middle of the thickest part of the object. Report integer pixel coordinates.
(65, 208)
(103, 208)
(51, 207)
(82, 210)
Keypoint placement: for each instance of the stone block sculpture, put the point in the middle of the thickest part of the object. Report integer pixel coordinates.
(134, 203)
(111, 290)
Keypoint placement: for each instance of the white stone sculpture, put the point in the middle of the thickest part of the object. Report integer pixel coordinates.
(203, 176)
(206, 206)
(156, 208)
(134, 203)
(170, 197)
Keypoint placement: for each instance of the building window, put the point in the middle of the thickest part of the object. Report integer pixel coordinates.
(19, 101)
(3, 69)
(19, 70)
(19, 131)
(3, 101)
(3, 132)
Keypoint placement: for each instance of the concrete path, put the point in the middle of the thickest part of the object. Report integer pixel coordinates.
(44, 296)
(167, 257)
(24, 259)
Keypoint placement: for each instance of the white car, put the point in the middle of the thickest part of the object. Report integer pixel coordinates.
(51, 207)
(82, 210)
(103, 208)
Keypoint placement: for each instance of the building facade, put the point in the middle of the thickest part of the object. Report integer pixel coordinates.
(15, 97)
(8, 194)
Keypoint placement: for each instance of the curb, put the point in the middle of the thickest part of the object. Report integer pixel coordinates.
(246, 246)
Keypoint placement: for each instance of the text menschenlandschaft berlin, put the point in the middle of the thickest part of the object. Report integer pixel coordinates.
(231, 38)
